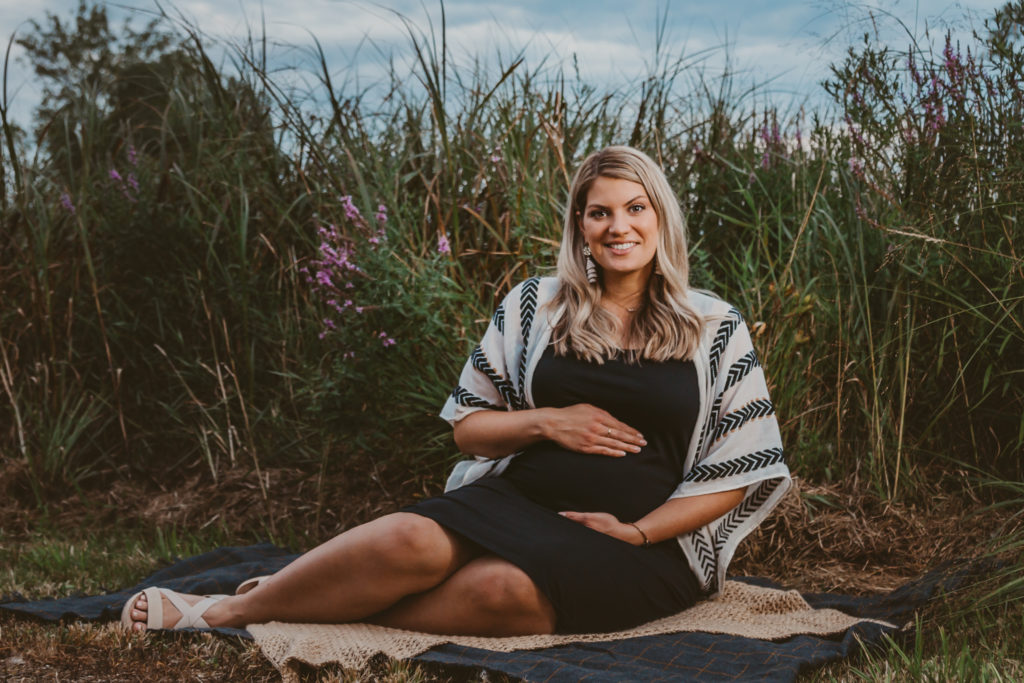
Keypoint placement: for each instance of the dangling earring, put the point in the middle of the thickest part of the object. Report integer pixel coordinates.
(591, 266)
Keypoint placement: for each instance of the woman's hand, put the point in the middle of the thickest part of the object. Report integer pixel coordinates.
(582, 428)
(588, 429)
(607, 524)
(672, 518)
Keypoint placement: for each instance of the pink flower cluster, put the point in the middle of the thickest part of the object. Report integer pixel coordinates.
(129, 186)
(332, 273)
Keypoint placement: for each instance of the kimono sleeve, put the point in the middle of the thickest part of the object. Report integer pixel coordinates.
(484, 383)
(740, 447)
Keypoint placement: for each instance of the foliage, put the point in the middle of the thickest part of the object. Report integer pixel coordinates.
(161, 254)
(935, 169)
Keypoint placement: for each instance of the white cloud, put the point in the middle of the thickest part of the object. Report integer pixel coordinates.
(612, 41)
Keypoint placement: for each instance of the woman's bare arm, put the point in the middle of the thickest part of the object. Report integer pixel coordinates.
(581, 427)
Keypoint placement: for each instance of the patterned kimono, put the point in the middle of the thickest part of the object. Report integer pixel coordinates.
(736, 442)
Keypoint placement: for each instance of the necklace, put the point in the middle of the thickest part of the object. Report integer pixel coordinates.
(628, 309)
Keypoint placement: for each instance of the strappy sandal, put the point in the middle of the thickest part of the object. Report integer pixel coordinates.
(249, 584)
(191, 615)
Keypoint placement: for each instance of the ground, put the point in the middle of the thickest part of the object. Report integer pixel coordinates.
(824, 537)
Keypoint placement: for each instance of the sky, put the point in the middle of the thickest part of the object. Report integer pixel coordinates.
(785, 46)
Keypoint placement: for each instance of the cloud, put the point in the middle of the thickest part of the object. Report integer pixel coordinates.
(611, 41)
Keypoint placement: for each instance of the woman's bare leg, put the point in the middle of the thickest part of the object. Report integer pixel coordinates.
(488, 596)
(357, 573)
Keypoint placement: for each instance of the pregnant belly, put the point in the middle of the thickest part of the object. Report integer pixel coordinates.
(628, 487)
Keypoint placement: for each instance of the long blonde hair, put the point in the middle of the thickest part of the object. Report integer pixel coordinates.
(668, 326)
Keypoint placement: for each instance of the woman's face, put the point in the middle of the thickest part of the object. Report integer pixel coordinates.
(621, 227)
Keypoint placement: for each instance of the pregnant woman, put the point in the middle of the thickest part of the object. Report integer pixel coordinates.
(624, 445)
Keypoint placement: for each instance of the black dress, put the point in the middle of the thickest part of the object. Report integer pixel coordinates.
(596, 583)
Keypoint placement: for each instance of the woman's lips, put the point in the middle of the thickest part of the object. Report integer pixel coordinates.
(621, 247)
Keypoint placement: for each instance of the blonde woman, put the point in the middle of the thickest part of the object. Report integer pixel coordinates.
(623, 441)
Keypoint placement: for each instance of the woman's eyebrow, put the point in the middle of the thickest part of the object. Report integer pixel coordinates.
(625, 203)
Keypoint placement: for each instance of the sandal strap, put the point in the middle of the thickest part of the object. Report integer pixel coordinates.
(191, 615)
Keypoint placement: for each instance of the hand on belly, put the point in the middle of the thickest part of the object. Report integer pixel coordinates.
(584, 428)
(606, 523)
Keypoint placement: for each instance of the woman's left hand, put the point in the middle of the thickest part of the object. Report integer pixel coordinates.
(607, 524)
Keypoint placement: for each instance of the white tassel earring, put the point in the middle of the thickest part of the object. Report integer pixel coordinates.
(591, 265)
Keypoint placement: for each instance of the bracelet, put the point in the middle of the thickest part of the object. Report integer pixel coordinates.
(647, 541)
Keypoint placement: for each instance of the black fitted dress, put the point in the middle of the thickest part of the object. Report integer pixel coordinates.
(596, 583)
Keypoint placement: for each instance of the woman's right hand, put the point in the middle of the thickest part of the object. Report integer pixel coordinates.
(585, 428)
(581, 427)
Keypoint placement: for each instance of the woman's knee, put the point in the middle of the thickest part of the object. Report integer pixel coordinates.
(414, 540)
(499, 587)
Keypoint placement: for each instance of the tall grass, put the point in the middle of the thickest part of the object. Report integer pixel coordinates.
(160, 252)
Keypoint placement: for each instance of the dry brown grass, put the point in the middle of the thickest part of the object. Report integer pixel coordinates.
(832, 537)
(838, 538)
(30, 651)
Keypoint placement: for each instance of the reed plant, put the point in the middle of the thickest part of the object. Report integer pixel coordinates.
(205, 268)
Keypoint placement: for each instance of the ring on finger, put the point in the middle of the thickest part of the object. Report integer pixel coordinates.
(609, 432)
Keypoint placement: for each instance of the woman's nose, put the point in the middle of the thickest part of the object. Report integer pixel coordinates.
(620, 222)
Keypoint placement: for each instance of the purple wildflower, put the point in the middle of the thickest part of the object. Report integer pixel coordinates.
(495, 158)
(114, 175)
(65, 201)
(133, 182)
(770, 134)
(443, 246)
(133, 156)
(856, 167)
(386, 341)
(934, 115)
(351, 212)
(329, 327)
(323, 279)
(914, 74)
(382, 214)
(854, 131)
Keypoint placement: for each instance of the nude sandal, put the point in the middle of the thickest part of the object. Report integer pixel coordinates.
(191, 615)
(249, 584)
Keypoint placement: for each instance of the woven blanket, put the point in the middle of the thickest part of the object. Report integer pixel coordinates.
(741, 609)
(668, 656)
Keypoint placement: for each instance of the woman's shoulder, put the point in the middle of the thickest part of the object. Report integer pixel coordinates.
(709, 304)
(536, 289)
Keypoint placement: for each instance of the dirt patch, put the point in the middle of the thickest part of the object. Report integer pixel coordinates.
(838, 538)
(279, 502)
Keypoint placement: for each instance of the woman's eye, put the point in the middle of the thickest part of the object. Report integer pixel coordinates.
(637, 208)
(598, 213)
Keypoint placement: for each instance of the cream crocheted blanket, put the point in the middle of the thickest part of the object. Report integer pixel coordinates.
(740, 609)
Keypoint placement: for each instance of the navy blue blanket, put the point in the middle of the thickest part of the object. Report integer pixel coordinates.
(670, 657)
